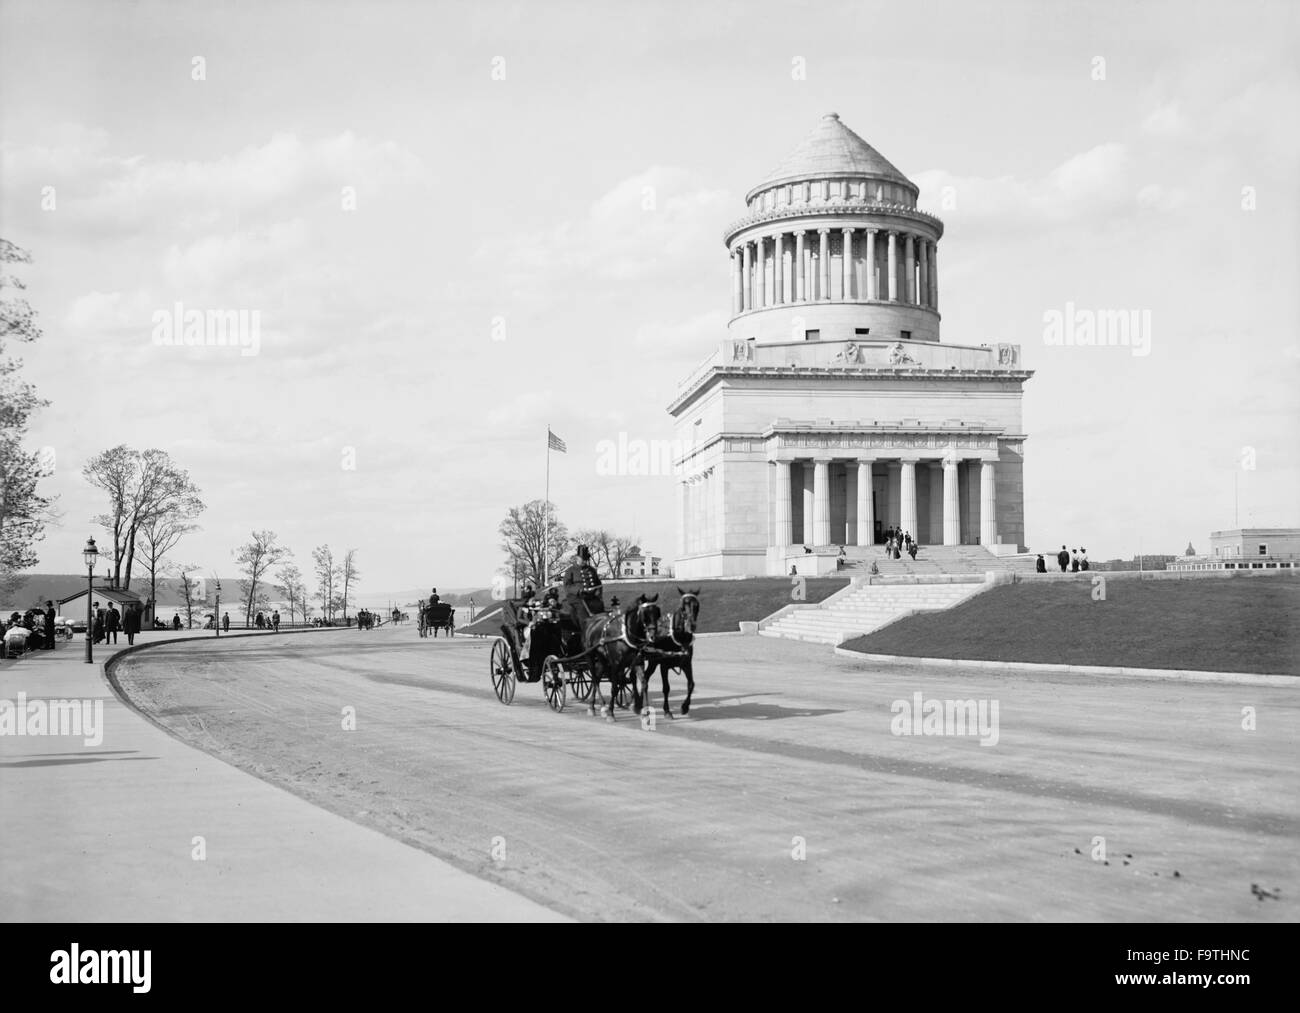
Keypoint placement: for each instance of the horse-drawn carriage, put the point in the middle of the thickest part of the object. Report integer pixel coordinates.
(540, 643)
(435, 617)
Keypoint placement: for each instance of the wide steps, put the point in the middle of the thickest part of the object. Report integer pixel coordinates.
(864, 609)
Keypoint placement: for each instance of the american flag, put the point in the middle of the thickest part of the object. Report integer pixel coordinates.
(553, 442)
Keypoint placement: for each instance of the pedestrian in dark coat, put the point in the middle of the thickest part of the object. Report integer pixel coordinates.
(176, 621)
(1041, 565)
(99, 625)
(1063, 559)
(225, 623)
(49, 625)
(112, 623)
(131, 622)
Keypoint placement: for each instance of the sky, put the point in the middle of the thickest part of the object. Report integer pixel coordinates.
(439, 214)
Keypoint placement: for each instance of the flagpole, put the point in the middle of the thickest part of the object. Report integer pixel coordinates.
(546, 512)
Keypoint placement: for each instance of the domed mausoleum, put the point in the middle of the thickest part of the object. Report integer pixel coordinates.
(833, 411)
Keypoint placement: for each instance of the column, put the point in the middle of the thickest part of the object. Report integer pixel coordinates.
(866, 522)
(821, 502)
(825, 266)
(848, 264)
(747, 280)
(924, 251)
(893, 267)
(934, 276)
(988, 505)
(778, 269)
(850, 506)
(951, 513)
(800, 292)
(807, 503)
(683, 518)
(782, 535)
(737, 294)
(871, 263)
(907, 513)
(760, 289)
(909, 265)
(892, 491)
(934, 535)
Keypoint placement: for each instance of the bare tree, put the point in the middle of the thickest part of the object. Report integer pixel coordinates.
(524, 543)
(350, 576)
(327, 573)
(188, 591)
(141, 485)
(160, 533)
(290, 578)
(257, 557)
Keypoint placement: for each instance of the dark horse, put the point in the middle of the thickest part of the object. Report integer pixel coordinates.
(614, 643)
(679, 646)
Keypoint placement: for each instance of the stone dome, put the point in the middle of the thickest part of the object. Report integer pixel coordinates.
(832, 150)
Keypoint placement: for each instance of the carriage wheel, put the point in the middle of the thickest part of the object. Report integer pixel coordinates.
(553, 683)
(451, 629)
(581, 682)
(623, 697)
(503, 672)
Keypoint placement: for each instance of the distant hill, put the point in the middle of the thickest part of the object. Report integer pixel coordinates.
(37, 588)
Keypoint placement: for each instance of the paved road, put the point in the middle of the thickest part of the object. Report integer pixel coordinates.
(785, 795)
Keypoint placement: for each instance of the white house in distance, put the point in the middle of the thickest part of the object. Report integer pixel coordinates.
(639, 564)
(1247, 549)
(832, 411)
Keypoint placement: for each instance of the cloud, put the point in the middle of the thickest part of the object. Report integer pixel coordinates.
(1083, 186)
(113, 195)
(659, 224)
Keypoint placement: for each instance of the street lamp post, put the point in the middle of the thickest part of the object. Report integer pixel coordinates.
(89, 554)
(216, 616)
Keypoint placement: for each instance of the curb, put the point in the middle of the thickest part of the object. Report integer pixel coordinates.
(1173, 674)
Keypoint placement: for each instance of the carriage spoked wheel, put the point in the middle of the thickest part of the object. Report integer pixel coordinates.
(503, 672)
(581, 683)
(553, 683)
(623, 697)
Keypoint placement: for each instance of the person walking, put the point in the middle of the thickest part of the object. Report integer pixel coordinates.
(1083, 559)
(112, 623)
(97, 627)
(1040, 565)
(131, 622)
(49, 625)
(1074, 562)
(176, 621)
(275, 620)
(1063, 559)
(225, 623)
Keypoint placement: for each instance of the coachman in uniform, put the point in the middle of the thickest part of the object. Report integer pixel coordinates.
(584, 596)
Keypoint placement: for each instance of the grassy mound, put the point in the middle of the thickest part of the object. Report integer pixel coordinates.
(724, 604)
(1246, 624)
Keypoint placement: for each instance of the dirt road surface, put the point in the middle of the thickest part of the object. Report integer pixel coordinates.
(786, 795)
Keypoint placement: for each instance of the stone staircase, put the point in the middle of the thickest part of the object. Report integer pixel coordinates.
(863, 607)
(933, 560)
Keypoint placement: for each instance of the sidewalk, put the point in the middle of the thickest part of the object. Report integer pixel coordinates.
(106, 832)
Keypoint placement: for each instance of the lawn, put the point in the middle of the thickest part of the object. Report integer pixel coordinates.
(723, 603)
(1243, 624)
